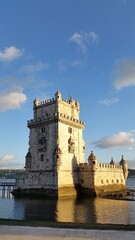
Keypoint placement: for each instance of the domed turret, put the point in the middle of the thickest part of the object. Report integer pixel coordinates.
(91, 157)
(92, 161)
(77, 105)
(57, 157)
(112, 161)
(124, 165)
(35, 102)
(58, 96)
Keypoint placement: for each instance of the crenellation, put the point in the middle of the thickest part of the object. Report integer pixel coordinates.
(44, 103)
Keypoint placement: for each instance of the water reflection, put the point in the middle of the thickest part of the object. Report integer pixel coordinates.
(85, 210)
(35, 209)
(94, 210)
(88, 210)
(75, 210)
(112, 211)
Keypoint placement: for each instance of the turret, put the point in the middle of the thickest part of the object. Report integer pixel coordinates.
(35, 104)
(92, 161)
(124, 165)
(112, 161)
(28, 160)
(57, 157)
(77, 105)
(58, 96)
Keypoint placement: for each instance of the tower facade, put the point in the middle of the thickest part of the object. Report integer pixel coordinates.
(55, 164)
(56, 148)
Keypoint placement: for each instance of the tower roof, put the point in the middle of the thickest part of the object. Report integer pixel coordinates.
(112, 161)
(58, 95)
(92, 156)
(122, 161)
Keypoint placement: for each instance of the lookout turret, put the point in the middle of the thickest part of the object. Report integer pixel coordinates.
(112, 161)
(58, 96)
(124, 165)
(92, 161)
(35, 102)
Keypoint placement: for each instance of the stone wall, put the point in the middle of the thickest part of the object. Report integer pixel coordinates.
(99, 178)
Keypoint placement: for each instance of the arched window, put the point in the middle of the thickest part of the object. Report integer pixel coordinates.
(42, 157)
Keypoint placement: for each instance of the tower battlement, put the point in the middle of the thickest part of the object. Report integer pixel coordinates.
(70, 103)
(54, 117)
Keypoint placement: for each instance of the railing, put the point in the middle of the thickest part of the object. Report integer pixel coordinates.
(6, 188)
(7, 184)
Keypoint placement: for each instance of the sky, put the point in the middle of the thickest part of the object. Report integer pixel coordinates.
(84, 48)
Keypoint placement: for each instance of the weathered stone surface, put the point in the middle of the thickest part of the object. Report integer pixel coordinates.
(55, 158)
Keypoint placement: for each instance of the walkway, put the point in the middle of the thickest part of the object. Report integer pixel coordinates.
(45, 233)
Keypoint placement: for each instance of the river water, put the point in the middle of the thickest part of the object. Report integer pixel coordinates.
(84, 210)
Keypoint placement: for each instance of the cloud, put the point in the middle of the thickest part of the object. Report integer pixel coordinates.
(120, 139)
(108, 102)
(12, 99)
(7, 158)
(82, 39)
(10, 53)
(33, 68)
(63, 65)
(124, 74)
(10, 162)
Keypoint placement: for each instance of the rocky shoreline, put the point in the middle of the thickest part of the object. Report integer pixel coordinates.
(128, 195)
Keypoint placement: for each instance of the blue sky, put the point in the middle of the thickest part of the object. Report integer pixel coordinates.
(84, 48)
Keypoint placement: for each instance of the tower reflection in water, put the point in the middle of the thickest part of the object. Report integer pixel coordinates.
(92, 210)
(112, 211)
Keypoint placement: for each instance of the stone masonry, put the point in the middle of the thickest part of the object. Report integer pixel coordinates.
(55, 164)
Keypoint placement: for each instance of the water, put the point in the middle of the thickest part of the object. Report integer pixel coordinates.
(87, 210)
(131, 183)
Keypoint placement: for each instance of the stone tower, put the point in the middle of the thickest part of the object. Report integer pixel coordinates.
(56, 148)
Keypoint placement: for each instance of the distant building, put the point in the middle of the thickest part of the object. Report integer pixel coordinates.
(55, 164)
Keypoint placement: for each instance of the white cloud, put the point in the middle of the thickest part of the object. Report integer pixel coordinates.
(10, 53)
(120, 139)
(12, 99)
(124, 74)
(108, 102)
(7, 158)
(10, 162)
(82, 39)
(33, 68)
(63, 65)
